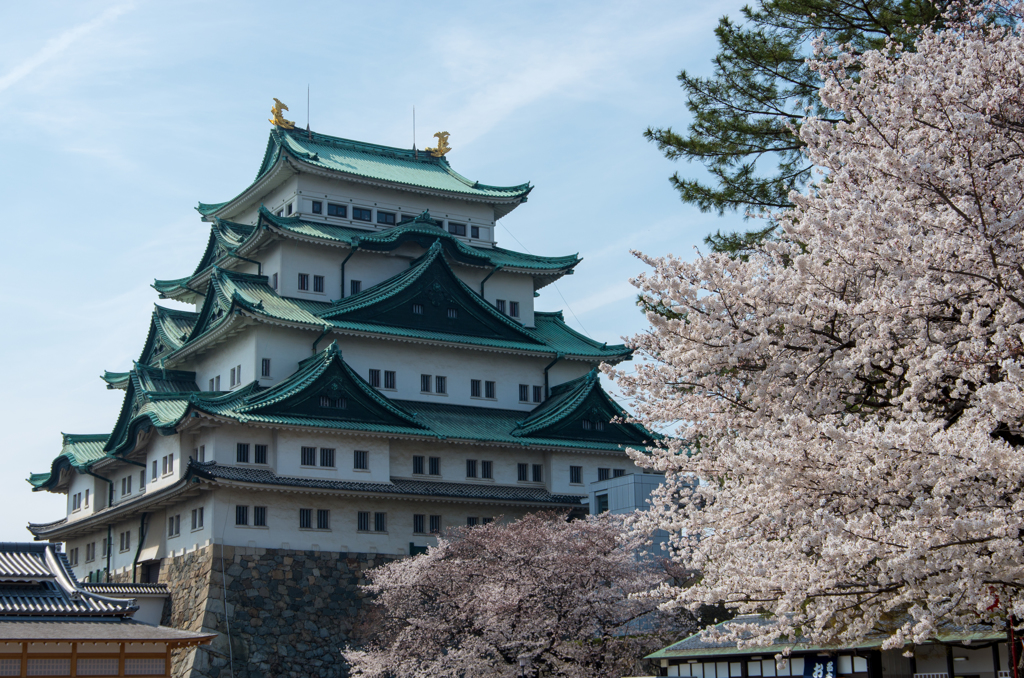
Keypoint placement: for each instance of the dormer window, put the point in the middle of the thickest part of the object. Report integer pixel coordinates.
(332, 403)
(417, 309)
(590, 425)
(453, 313)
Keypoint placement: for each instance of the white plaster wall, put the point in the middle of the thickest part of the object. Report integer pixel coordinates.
(289, 449)
(508, 286)
(81, 482)
(274, 199)
(590, 460)
(239, 349)
(159, 447)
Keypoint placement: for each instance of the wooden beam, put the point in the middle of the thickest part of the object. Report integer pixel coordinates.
(120, 661)
(74, 659)
(24, 659)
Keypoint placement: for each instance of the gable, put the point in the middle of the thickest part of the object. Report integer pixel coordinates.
(592, 420)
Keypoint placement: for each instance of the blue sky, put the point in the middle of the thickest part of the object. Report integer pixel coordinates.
(119, 117)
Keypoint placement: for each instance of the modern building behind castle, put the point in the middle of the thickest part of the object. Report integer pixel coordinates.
(360, 367)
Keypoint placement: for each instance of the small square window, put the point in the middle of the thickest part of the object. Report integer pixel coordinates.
(259, 454)
(441, 385)
(361, 460)
(538, 394)
(456, 229)
(435, 466)
(362, 214)
(486, 521)
(417, 309)
(524, 393)
(487, 470)
(318, 283)
(259, 516)
(323, 519)
(435, 524)
(304, 282)
(337, 210)
(363, 521)
(305, 519)
(380, 522)
(265, 368)
(453, 313)
(417, 465)
(308, 456)
(538, 473)
(241, 515)
(280, 213)
(389, 379)
(474, 388)
(500, 305)
(513, 309)
(318, 207)
(419, 523)
(603, 474)
(575, 475)
(472, 521)
(425, 383)
(474, 231)
(355, 286)
(489, 390)
(618, 473)
(374, 378)
(242, 453)
(471, 468)
(524, 472)
(386, 218)
(327, 457)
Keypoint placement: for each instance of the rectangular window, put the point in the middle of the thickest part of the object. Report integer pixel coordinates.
(90, 552)
(242, 453)
(500, 305)
(76, 501)
(273, 281)
(380, 522)
(126, 485)
(211, 385)
(425, 383)
(308, 456)
(602, 503)
(487, 470)
(318, 207)
(576, 475)
(603, 474)
(337, 210)
(323, 519)
(87, 491)
(361, 460)
(472, 521)
(435, 524)
(441, 385)
(419, 523)
(197, 518)
(374, 378)
(513, 309)
(618, 473)
(126, 541)
(524, 393)
(142, 485)
(417, 309)
(241, 515)
(259, 516)
(318, 283)
(202, 454)
(471, 468)
(456, 229)
(355, 286)
(362, 214)
(304, 282)
(453, 314)
(327, 457)
(486, 521)
(333, 403)
(173, 526)
(156, 472)
(474, 231)
(489, 390)
(231, 378)
(524, 472)
(259, 454)
(265, 368)
(170, 465)
(417, 465)
(216, 383)
(538, 473)
(288, 209)
(103, 546)
(435, 466)
(363, 521)
(538, 394)
(386, 218)
(305, 519)
(389, 379)
(474, 388)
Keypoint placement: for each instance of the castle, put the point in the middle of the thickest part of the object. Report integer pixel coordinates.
(353, 366)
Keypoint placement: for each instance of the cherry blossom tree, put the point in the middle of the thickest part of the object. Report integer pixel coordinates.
(851, 396)
(554, 593)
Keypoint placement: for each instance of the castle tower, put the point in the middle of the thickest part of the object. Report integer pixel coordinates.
(360, 367)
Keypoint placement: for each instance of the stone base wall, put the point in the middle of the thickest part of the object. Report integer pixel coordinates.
(287, 613)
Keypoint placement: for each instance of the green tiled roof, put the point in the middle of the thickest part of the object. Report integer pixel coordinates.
(78, 451)
(386, 164)
(169, 329)
(116, 379)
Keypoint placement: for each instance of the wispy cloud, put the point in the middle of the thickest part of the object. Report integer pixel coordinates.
(59, 44)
